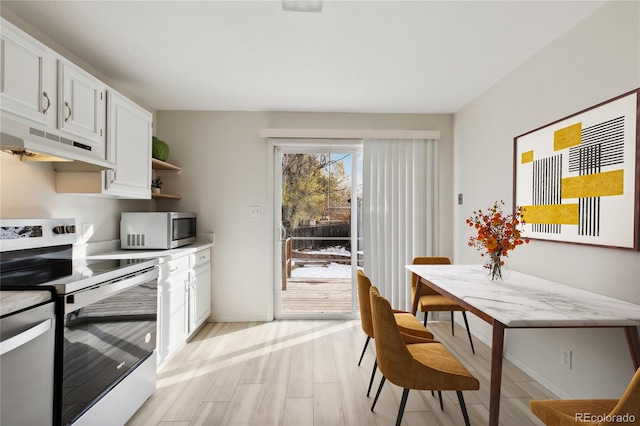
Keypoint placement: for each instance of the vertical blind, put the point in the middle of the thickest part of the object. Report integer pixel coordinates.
(399, 211)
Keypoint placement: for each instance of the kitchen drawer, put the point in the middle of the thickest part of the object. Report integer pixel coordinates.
(174, 266)
(200, 258)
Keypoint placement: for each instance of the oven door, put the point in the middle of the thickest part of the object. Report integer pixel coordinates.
(108, 330)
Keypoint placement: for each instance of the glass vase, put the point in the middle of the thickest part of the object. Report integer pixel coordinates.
(497, 269)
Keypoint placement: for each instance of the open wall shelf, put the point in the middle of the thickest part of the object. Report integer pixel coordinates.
(162, 166)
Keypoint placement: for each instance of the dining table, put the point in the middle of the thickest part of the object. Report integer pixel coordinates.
(524, 301)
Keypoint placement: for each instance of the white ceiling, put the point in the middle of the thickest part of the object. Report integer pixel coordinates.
(355, 56)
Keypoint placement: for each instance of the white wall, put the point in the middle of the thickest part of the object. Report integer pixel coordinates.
(595, 61)
(226, 171)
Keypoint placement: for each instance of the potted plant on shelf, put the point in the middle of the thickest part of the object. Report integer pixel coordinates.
(156, 184)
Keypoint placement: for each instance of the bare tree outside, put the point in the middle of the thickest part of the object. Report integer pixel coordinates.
(315, 187)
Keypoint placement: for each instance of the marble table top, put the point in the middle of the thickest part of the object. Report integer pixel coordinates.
(527, 301)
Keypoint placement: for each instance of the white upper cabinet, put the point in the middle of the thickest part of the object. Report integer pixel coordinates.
(50, 108)
(55, 110)
(129, 142)
(27, 77)
(128, 146)
(81, 105)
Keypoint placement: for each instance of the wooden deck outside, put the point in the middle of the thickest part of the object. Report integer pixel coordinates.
(316, 295)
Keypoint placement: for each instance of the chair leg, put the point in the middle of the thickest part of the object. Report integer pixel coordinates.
(464, 315)
(375, 400)
(373, 374)
(364, 349)
(403, 402)
(463, 408)
(453, 333)
(426, 314)
(440, 398)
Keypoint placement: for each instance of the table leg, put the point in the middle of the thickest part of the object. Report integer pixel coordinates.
(633, 340)
(419, 285)
(497, 346)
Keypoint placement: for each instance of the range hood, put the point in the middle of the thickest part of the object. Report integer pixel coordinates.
(33, 144)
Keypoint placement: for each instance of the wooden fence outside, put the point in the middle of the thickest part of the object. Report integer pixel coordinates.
(319, 236)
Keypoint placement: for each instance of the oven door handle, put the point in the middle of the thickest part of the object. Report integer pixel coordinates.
(96, 293)
(25, 337)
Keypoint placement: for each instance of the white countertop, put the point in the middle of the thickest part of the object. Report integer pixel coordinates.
(527, 301)
(13, 301)
(163, 255)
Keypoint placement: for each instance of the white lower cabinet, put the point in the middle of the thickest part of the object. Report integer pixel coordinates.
(200, 292)
(173, 303)
(184, 300)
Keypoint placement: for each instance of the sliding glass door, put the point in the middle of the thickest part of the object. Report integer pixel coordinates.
(318, 246)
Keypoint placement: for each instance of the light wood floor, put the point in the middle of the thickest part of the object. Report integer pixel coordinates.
(319, 295)
(305, 372)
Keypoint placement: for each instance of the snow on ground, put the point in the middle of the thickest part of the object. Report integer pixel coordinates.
(334, 270)
(337, 250)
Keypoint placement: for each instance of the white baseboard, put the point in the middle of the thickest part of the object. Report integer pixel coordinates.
(216, 318)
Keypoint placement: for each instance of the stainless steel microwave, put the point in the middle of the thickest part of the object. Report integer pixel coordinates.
(157, 230)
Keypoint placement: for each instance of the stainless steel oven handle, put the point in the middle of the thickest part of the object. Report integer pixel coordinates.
(25, 337)
(98, 292)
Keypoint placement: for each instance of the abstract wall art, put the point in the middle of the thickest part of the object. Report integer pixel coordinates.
(578, 178)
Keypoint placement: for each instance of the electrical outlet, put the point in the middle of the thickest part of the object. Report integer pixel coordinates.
(565, 357)
(459, 199)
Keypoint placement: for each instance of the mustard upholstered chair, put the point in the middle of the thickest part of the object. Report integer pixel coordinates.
(558, 412)
(431, 300)
(407, 323)
(422, 366)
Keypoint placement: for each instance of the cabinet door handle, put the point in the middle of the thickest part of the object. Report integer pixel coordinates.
(66, 119)
(25, 337)
(46, 109)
